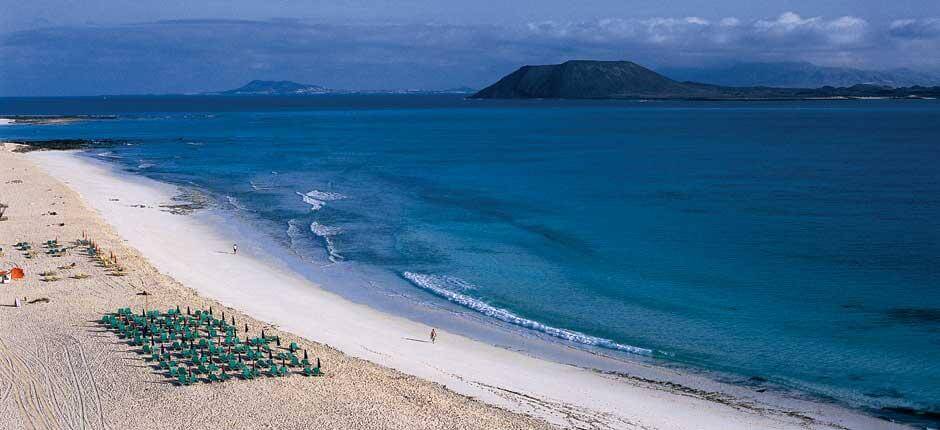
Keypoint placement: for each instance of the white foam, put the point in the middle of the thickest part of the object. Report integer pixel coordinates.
(315, 204)
(317, 199)
(325, 196)
(293, 230)
(6, 121)
(257, 187)
(436, 284)
(326, 233)
(107, 154)
(235, 203)
(324, 230)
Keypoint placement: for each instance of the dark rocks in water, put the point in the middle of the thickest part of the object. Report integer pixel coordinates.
(582, 79)
(928, 418)
(62, 144)
(54, 119)
(915, 316)
(187, 202)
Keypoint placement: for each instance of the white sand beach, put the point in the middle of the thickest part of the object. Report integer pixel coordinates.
(460, 382)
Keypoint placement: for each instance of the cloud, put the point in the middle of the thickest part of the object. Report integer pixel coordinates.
(791, 27)
(787, 30)
(201, 55)
(915, 29)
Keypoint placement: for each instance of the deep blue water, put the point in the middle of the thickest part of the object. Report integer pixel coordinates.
(798, 242)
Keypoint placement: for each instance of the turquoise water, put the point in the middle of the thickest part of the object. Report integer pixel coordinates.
(796, 243)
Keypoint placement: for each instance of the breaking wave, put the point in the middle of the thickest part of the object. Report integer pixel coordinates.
(439, 285)
(235, 203)
(317, 199)
(326, 233)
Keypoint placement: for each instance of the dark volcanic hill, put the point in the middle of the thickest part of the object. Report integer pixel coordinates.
(626, 80)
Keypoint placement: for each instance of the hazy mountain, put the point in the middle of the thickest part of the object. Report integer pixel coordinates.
(257, 87)
(799, 75)
(623, 79)
(289, 88)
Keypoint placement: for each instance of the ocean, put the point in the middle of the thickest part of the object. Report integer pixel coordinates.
(787, 243)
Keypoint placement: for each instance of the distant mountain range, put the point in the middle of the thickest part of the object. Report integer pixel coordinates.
(627, 80)
(799, 75)
(290, 88)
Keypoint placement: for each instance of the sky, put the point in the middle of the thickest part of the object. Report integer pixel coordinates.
(91, 47)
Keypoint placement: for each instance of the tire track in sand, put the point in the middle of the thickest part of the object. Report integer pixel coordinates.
(52, 397)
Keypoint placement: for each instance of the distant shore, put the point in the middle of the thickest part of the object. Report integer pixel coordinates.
(197, 256)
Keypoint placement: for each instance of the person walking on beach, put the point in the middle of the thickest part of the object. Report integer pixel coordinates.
(235, 249)
(433, 335)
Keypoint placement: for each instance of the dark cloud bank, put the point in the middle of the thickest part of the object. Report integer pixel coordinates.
(203, 55)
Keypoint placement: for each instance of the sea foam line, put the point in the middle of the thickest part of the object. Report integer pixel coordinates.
(435, 284)
(326, 233)
(317, 199)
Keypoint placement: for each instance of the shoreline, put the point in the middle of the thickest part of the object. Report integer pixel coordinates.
(60, 369)
(561, 394)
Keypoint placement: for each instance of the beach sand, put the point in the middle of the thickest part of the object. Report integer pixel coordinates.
(60, 369)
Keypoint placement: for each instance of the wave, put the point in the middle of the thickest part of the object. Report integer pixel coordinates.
(317, 199)
(293, 230)
(298, 239)
(315, 204)
(256, 187)
(325, 196)
(326, 233)
(107, 154)
(437, 284)
(6, 121)
(145, 165)
(235, 203)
